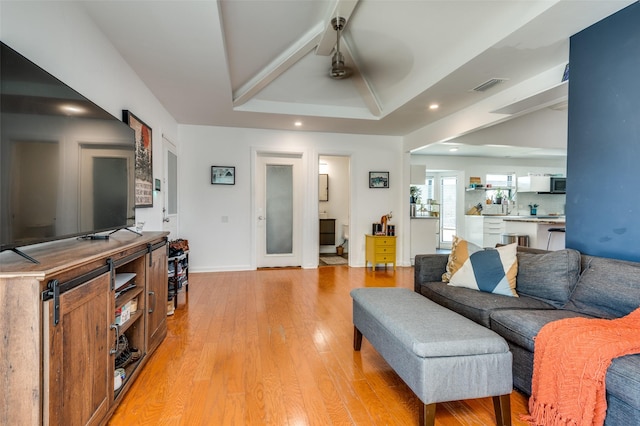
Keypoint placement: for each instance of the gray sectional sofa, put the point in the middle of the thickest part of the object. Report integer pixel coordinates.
(551, 286)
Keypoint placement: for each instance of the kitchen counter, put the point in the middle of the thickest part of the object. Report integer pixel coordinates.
(425, 217)
(544, 220)
(537, 228)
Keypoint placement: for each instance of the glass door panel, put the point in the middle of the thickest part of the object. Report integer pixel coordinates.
(279, 209)
(448, 217)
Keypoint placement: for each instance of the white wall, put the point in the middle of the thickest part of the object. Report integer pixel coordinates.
(218, 220)
(59, 37)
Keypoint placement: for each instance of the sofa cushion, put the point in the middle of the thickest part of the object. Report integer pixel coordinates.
(490, 270)
(607, 288)
(623, 381)
(476, 305)
(520, 326)
(550, 277)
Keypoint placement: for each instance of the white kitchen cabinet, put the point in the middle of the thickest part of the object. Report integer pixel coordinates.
(418, 173)
(484, 231)
(534, 183)
(424, 236)
(473, 229)
(492, 231)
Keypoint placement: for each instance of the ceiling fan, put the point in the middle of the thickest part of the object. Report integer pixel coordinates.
(339, 70)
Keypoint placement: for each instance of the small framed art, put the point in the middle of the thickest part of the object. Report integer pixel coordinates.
(223, 175)
(378, 179)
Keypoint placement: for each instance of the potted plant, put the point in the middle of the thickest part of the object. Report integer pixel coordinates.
(533, 208)
(415, 194)
(499, 196)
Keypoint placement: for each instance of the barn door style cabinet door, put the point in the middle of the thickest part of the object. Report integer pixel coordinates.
(75, 320)
(79, 380)
(157, 295)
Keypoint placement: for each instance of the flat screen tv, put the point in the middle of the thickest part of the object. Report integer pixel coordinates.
(66, 165)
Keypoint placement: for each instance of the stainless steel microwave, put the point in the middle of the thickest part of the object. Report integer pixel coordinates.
(558, 185)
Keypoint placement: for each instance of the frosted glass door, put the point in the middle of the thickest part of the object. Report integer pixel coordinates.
(279, 209)
(278, 200)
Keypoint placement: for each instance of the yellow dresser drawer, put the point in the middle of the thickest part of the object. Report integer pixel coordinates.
(380, 249)
(385, 241)
(385, 250)
(382, 258)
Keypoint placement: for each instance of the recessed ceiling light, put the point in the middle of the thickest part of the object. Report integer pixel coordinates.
(453, 149)
(434, 106)
(298, 123)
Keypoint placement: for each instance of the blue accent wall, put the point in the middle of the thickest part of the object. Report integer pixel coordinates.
(603, 154)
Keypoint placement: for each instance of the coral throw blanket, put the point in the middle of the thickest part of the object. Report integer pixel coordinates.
(571, 358)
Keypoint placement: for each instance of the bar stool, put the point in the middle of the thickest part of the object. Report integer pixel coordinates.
(551, 231)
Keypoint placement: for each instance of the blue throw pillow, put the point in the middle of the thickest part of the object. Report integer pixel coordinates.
(490, 270)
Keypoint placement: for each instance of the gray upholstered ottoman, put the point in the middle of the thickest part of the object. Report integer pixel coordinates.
(440, 355)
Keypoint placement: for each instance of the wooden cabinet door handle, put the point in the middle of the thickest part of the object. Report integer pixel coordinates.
(153, 306)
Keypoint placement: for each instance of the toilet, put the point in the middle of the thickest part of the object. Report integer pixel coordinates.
(345, 232)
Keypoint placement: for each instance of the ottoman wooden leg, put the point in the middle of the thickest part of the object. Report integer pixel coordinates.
(502, 407)
(357, 339)
(427, 414)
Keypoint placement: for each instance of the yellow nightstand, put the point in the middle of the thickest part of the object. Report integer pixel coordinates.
(380, 249)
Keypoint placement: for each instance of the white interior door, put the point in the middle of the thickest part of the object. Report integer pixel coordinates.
(278, 188)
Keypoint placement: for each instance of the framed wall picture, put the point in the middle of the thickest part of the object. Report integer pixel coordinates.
(143, 160)
(378, 179)
(223, 175)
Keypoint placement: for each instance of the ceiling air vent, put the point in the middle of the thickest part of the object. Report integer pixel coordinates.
(488, 84)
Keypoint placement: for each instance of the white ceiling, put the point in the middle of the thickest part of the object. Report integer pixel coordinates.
(265, 63)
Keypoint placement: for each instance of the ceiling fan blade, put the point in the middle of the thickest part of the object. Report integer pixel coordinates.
(364, 87)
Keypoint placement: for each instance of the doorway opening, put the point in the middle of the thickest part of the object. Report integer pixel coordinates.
(334, 195)
(170, 190)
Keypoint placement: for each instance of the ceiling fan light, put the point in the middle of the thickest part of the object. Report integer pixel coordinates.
(338, 69)
(338, 73)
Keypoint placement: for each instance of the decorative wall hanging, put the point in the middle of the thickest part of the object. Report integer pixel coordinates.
(223, 175)
(378, 179)
(143, 159)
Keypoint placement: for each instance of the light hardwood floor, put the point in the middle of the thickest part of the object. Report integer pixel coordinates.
(274, 347)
